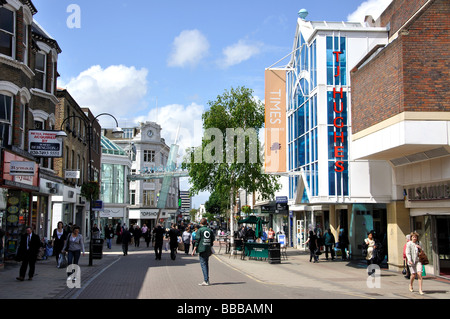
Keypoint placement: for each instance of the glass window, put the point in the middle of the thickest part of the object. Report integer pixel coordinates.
(7, 32)
(5, 119)
(41, 71)
(149, 156)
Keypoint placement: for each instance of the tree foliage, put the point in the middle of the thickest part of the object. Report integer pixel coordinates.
(220, 169)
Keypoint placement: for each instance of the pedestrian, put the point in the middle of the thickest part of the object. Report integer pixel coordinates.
(271, 235)
(413, 247)
(329, 242)
(27, 253)
(186, 237)
(59, 238)
(158, 235)
(203, 244)
(146, 234)
(369, 247)
(75, 247)
(405, 263)
(95, 231)
(313, 247)
(194, 236)
(137, 233)
(109, 235)
(126, 240)
(119, 233)
(173, 241)
(343, 243)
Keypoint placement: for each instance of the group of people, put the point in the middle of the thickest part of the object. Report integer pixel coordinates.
(65, 239)
(201, 237)
(315, 241)
(247, 234)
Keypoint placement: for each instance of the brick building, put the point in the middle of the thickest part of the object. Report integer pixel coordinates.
(401, 114)
(28, 75)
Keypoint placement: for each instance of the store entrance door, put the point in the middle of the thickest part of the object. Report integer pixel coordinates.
(443, 241)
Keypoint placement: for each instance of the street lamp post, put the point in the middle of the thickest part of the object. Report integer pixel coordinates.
(88, 126)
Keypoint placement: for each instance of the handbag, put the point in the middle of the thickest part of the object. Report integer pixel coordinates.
(318, 252)
(62, 261)
(423, 258)
(404, 268)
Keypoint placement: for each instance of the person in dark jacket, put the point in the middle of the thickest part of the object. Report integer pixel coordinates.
(158, 234)
(59, 238)
(126, 240)
(329, 242)
(173, 241)
(312, 241)
(204, 241)
(109, 235)
(343, 243)
(27, 253)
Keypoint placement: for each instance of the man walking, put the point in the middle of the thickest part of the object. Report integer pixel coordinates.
(28, 250)
(126, 240)
(204, 240)
(158, 233)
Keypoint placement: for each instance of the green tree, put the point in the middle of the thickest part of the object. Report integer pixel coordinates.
(229, 157)
(217, 204)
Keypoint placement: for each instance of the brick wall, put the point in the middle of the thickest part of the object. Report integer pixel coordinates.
(410, 74)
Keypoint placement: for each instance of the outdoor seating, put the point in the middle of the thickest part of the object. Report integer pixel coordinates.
(223, 242)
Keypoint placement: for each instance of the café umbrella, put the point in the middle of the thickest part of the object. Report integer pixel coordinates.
(258, 221)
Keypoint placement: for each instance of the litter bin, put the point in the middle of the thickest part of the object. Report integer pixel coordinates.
(274, 253)
(97, 248)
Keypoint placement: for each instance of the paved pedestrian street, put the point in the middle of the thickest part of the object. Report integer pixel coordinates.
(139, 276)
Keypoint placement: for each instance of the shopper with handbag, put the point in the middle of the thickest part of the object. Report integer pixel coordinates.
(412, 251)
(406, 271)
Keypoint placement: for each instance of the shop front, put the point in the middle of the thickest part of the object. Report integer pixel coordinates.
(433, 225)
(112, 215)
(19, 179)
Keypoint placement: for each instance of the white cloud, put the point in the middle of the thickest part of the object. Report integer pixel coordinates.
(188, 49)
(114, 90)
(239, 52)
(186, 121)
(369, 7)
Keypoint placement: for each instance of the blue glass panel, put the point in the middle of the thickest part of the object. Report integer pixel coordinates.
(343, 62)
(301, 121)
(301, 152)
(331, 179)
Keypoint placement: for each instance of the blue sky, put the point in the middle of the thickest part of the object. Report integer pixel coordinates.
(163, 61)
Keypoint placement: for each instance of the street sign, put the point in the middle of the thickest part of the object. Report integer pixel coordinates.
(98, 206)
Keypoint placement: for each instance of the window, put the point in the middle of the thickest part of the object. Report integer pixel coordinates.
(132, 197)
(5, 119)
(41, 62)
(25, 43)
(127, 133)
(7, 32)
(22, 126)
(148, 198)
(149, 156)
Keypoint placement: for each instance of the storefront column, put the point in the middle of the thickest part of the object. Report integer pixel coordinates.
(398, 226)
(334, 222)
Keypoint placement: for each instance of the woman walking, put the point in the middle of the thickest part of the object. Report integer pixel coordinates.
(59, 238)
(74, 246)
(413, 248)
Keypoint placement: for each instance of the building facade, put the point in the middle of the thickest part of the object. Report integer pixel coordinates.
(114, 190)
(149, 154)
(328, 187)
(28, 63)
(401, 114)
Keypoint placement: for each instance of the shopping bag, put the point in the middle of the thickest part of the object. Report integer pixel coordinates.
(62, 261)
(181, 246)
(423, 271)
